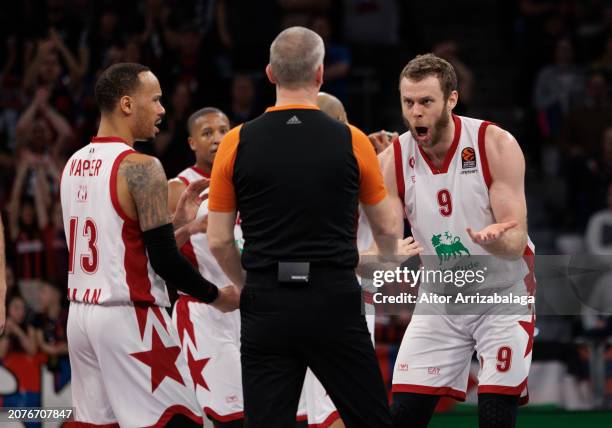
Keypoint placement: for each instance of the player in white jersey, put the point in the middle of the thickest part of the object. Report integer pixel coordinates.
(460, 183)
(127, 367)
(209, 338)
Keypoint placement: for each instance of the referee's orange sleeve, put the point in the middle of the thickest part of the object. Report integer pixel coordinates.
(221, 195)
(371, 185)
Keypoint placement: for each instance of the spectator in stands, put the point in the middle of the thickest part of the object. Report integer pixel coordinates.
(171, 144)
(28, 218)
(449, 50)
(102, 37)
(46, 70)
(50, 327)
(337, 60)
(604, 62)
(19, 335)
(587, 121)
(56, 249)
(558, 87)
(43, 131)
(243, 104)
(599, 230)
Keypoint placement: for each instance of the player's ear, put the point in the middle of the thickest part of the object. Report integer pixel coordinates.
(453, 98)
(191, 143)
(126, 104)
(271, 77)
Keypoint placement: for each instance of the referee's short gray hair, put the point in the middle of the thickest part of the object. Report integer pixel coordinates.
(295, 55)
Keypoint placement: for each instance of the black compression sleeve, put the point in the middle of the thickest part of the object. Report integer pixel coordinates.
(168, 263)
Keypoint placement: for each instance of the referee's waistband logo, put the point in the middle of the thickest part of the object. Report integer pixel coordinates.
(294, 121)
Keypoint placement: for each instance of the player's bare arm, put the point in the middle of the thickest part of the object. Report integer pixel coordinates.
(143, 194)
(175, 189)
(223, 246)
(507, 237)
(189, 202)
(142, 191)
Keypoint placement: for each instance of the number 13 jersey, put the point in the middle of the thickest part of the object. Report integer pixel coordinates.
(108, 263)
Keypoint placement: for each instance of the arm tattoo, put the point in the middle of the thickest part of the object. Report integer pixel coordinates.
(148, 186)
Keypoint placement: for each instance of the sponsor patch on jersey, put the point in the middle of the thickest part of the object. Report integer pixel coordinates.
(447, 246)
(468, 158)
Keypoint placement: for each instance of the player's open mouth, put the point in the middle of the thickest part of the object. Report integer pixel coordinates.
(421, 131)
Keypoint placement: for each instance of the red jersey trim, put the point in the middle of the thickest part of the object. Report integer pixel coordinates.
(108, 140)
(430, 390)
(486, 172)
(530, 281)
(504, 390)
(176, 410)
(451, 151)
(183, 179)
(399, 170)
(223, 418)
(113, 187)
(333, 417)
(189, 253)
(136, 263)
(200, 171)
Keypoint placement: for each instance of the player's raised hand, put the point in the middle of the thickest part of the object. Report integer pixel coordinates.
(382, 139)
(198, 225)
(189, 202)
(491, 233)
(228, 299)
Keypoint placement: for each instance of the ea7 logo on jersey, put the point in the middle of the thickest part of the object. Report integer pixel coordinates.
(82, 193)
(468, 158)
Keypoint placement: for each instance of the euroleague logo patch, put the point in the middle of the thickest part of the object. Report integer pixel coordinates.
(468, 158)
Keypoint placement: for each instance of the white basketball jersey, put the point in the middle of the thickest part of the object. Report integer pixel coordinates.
(196, 249)
(440, 203)
(108, 263)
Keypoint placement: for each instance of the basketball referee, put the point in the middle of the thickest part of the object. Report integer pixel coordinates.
(296, 176)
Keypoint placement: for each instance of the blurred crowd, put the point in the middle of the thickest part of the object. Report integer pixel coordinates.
(213, 52)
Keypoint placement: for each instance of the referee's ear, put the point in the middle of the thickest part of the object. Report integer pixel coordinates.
(319, 75)
(271, 77)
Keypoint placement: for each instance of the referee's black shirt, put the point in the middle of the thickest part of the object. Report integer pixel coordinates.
(296, 177)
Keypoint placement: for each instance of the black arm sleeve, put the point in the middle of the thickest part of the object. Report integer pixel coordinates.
(170, 264)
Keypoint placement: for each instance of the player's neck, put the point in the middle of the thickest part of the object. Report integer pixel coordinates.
(305, 96)
(204, 167)
(437, 153)
(109, 128)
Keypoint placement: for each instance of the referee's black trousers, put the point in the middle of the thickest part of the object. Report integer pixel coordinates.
(320, 325)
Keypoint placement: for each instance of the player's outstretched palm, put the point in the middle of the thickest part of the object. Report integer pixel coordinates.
(491, 233)
(189, 202)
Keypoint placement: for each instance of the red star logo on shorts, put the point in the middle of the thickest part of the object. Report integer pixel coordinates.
(196, 367)
(162, 361)
(183, 322)
(529, 326)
